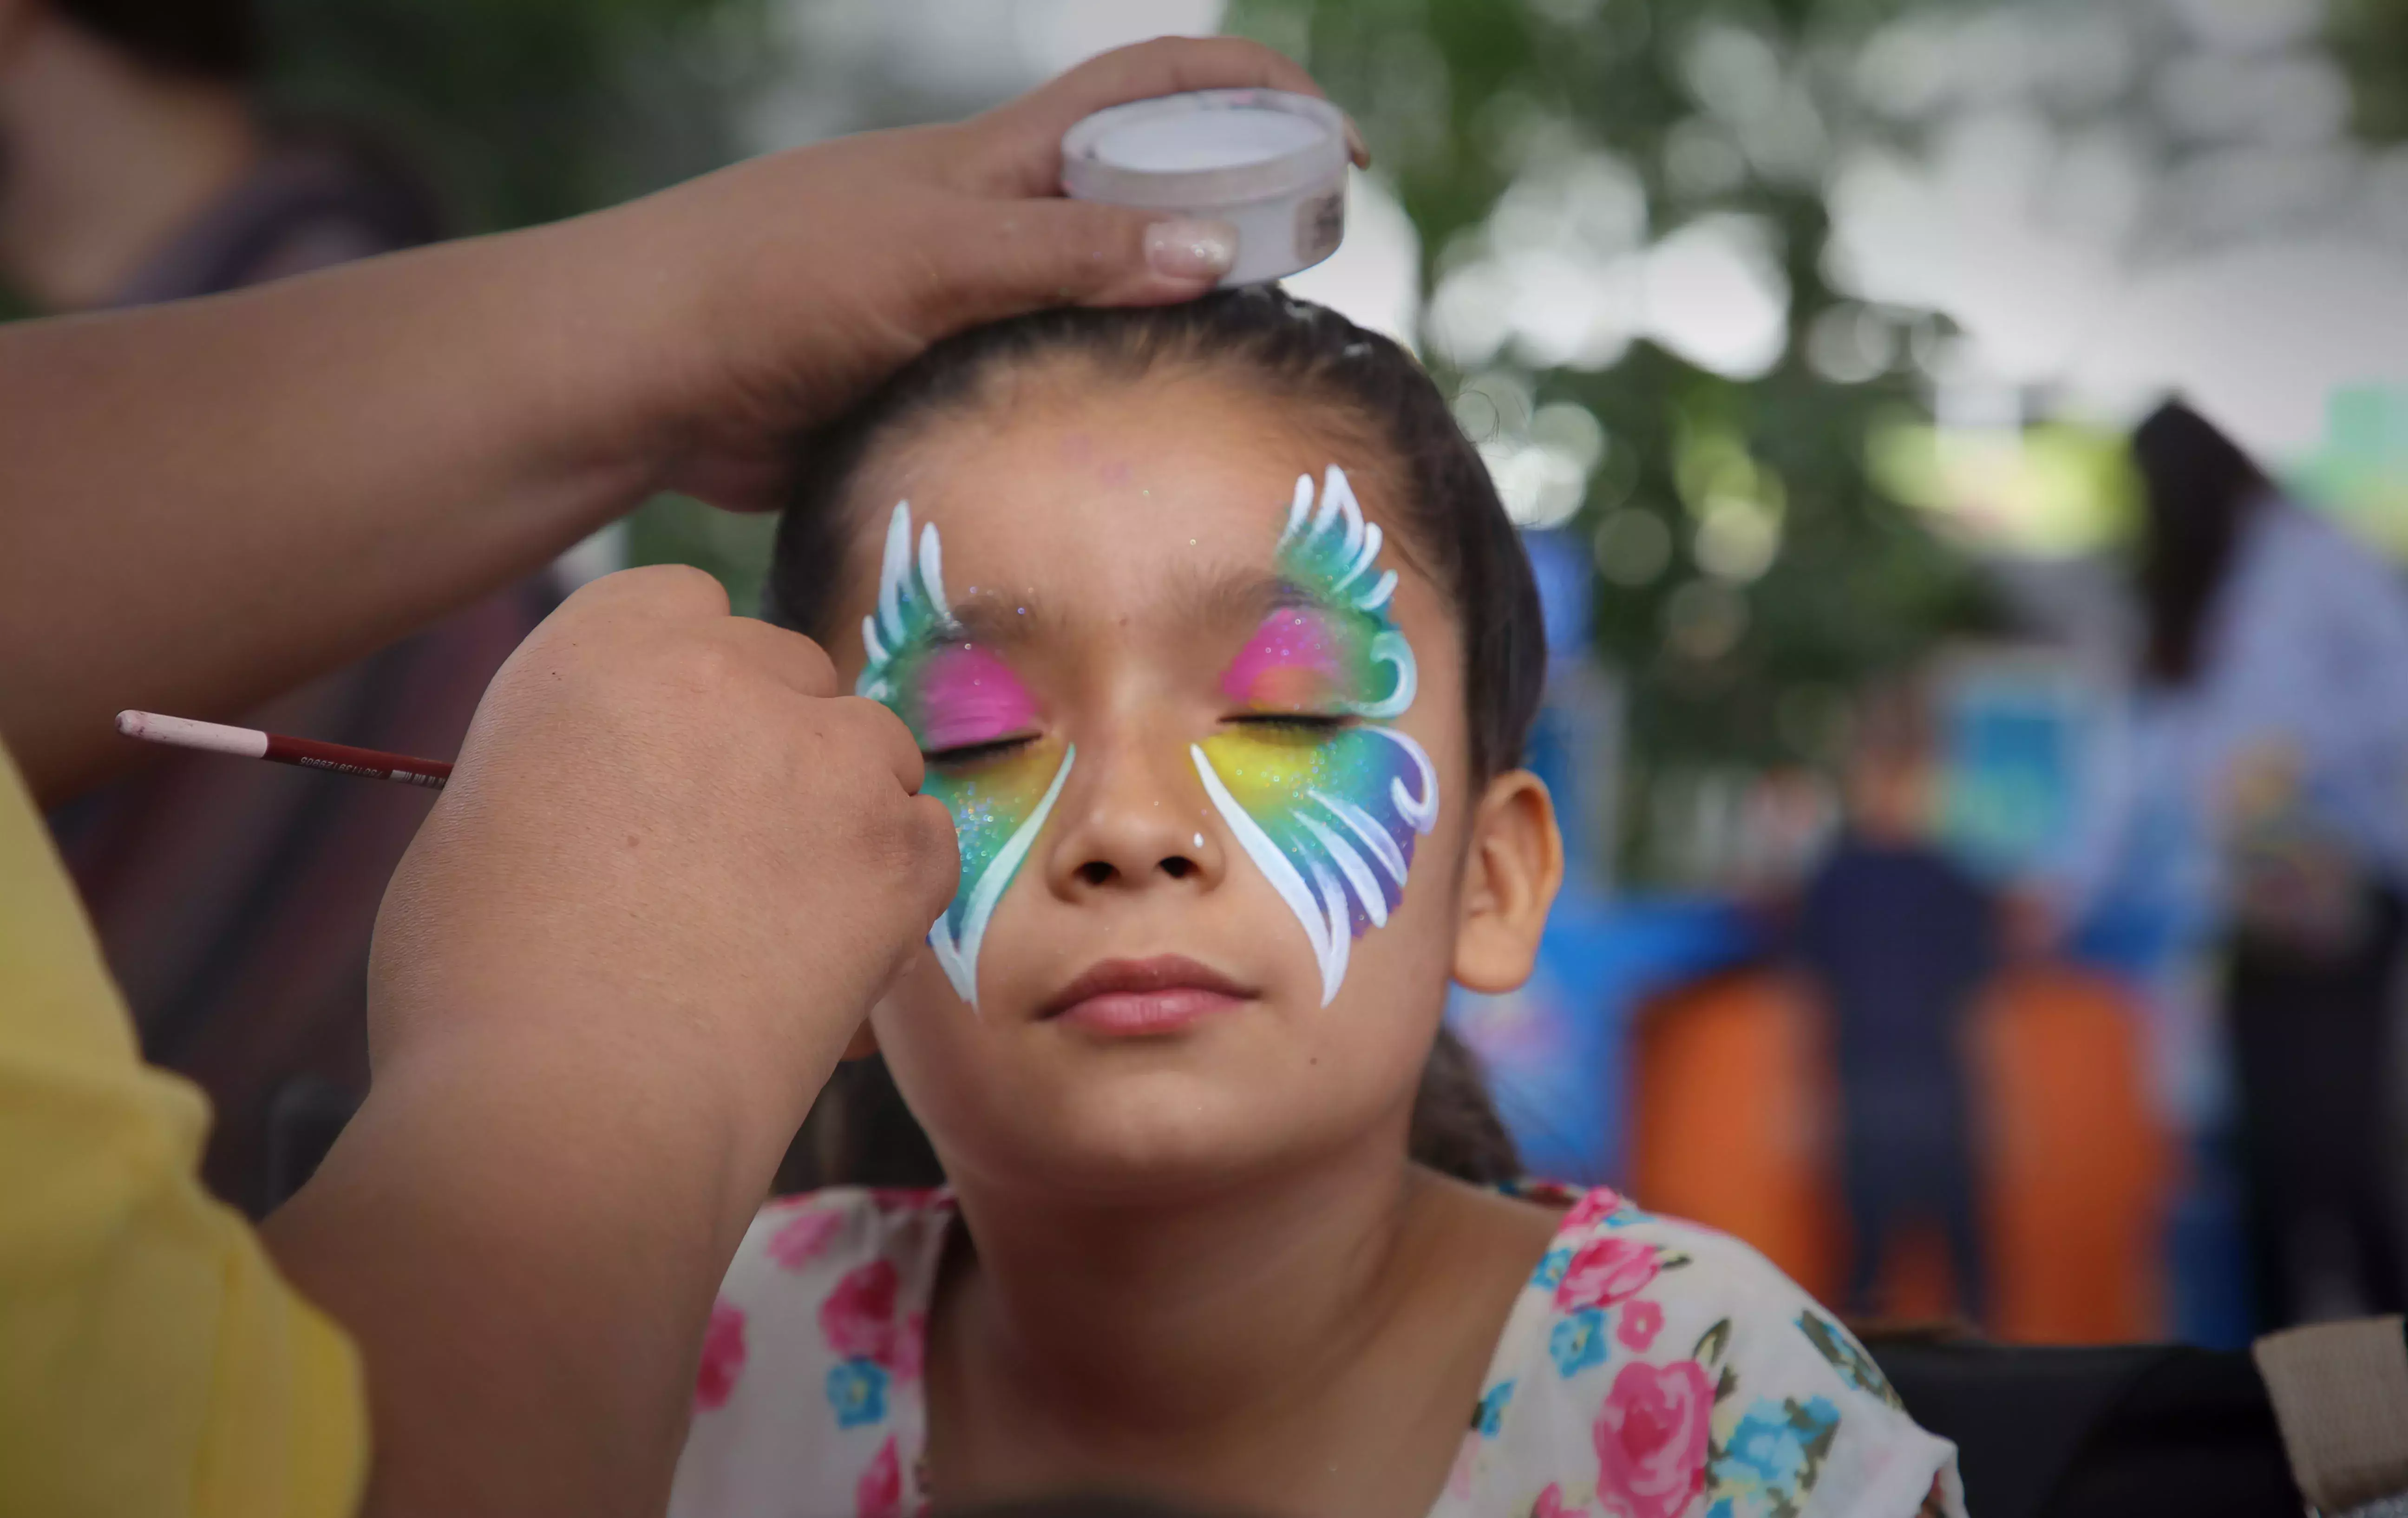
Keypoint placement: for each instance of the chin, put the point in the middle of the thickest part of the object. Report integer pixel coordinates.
(1138, 1133)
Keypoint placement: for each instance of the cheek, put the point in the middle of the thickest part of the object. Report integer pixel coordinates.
(1266, 773)
(965, 696)
(1272, 776)
(988, 806)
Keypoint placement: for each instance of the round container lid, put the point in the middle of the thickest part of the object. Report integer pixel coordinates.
(1203, 149)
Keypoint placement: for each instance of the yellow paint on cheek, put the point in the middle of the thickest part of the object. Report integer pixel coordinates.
(1257, 767)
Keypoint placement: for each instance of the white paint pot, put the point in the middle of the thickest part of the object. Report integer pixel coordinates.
(1270, 163)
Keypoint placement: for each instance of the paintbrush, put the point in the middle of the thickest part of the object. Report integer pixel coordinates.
(250, 743)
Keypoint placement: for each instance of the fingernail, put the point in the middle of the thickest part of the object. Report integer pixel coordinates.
(1190, 248)
(1357, 148)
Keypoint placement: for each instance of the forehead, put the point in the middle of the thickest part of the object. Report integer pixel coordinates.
(1121, 502)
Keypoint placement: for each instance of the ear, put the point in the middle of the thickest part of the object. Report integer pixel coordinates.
(1511, 873)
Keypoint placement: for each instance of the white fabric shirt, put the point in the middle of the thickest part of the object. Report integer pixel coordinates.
(1651, 1368)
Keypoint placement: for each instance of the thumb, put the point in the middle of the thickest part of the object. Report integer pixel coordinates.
(1035, 253)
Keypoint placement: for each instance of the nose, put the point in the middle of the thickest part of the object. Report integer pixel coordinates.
(1136, 819)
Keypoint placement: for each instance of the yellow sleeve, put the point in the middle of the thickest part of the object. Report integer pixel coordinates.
(151, 1360)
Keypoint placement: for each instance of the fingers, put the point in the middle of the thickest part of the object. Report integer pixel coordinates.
(1020, 144)
(943, 845)
(803, 666)
(654, 590)
(881, 732)
(1008, 257)
(795, 660)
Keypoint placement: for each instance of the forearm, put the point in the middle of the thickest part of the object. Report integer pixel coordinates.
(527, 1274)
(206, 503)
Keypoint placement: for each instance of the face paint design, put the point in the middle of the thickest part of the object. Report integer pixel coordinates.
(955, 694)
(1329, 813)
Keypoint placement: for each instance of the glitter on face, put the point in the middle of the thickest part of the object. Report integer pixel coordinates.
(1329, 810)
(965, 696)
(1293, 663)
(955, 694)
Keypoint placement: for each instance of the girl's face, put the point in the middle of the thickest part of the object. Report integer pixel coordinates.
(1208, 767)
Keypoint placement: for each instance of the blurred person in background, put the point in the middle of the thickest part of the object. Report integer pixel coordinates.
(137, 166)
(2275, 712)
(1898, 940)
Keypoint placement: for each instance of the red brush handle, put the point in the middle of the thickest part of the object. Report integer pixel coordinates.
(343, 759)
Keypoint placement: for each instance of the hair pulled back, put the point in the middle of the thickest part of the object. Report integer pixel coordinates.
(1444, 518)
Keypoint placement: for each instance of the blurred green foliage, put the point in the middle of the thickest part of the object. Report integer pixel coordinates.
(2370, 41)
(524, 110)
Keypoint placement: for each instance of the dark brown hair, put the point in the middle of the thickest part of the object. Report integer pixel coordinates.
(2198, 490)
(1449, 524)
(209, 39)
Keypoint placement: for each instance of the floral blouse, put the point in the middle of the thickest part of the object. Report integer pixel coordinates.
(1651, 1368)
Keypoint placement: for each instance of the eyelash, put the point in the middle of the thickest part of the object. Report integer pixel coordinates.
(971, 754)
(1317, 723)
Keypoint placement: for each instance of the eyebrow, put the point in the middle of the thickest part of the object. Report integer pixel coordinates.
(1238, 599)
(996, 620)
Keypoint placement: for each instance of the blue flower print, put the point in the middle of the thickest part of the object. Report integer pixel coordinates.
(1550, 1273)
(1774, 1454)
(1490, 1415)
(1578, 1342)
(1848, 1357)
(857, 1391)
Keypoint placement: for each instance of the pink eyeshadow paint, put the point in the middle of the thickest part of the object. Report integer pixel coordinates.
(1292, 663)
(966, 696)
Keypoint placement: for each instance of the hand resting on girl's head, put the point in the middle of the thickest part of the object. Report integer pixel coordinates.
(1221, 652)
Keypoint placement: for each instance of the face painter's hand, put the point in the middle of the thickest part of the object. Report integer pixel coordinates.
(671, 845)
(671, 871)
(798, 279)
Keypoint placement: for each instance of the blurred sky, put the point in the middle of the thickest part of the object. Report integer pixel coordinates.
(2111, 198)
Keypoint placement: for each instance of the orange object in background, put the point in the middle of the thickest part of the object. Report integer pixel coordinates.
(1734, 1119)
(2077, 1170)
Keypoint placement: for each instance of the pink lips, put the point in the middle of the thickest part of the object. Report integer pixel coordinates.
(1145, 997)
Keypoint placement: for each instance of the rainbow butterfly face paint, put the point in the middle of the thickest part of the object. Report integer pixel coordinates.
(955, 694)
(1328, 813)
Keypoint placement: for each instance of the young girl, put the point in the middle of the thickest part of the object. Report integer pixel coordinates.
(1222, 651)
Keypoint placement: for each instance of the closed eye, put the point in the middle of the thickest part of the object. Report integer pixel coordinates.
(1301, 723)
(963, 756)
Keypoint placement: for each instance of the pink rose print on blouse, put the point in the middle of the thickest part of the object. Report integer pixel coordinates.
(1650, 1439)
(858, 1317)
(1551, 1504)
(1641, 1323)
(910, 1347)
(806, 1238)
(879, 1495)
(1591, 1208)
(723, 1356)
(1604, 1272)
